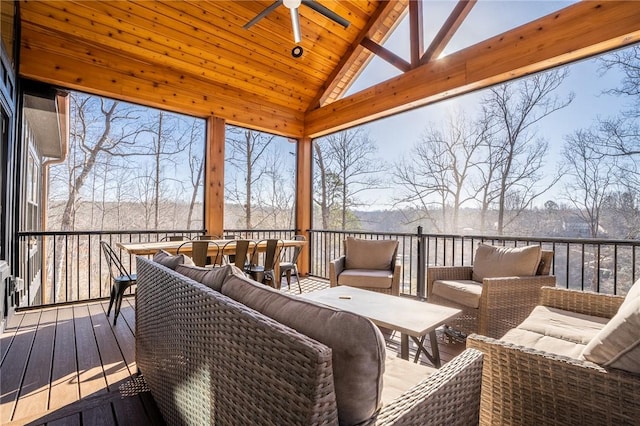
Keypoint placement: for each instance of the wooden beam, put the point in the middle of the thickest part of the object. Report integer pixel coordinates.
(349, 58)
(386, 54)
(214, 176)
(451, 25)
(576, 32)
(416, 32)
(304, 201)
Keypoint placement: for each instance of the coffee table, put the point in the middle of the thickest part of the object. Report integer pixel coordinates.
(412, 318)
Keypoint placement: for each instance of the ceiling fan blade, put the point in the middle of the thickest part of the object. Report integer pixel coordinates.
(326, 12)
(262, 14)
(295, 23)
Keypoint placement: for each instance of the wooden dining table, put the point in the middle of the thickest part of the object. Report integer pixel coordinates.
(226, 247)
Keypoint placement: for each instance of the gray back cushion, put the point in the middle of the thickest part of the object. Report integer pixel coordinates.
(211, 277)
(171, 261)
(358, 350)
(370, 254)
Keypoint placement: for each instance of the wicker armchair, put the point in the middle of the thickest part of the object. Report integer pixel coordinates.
(504, 303)
(368, 264)
(525, 386)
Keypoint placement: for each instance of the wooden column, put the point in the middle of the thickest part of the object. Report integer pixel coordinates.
(304, 201)
(214, 176)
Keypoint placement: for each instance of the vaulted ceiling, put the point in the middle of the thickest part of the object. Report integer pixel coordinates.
(196, 58)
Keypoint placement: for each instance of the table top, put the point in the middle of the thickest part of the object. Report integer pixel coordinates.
(398, 313)
(152, 247)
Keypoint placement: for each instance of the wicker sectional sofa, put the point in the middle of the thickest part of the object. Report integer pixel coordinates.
(216, 347)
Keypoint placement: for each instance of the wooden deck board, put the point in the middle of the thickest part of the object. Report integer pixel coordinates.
(34, 393)
(65, 365)
(64, 373)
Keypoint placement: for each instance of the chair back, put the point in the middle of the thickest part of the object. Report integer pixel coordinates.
(240, 255)
(116, 268)
(208, 237)
(200, 251)
(294, 253)
(271, 253)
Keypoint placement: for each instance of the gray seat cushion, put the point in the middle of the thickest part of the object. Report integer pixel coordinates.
(211, 277)
(366, 278)
(358, 349)
(401, 375)
(556, 331)
(465, 292)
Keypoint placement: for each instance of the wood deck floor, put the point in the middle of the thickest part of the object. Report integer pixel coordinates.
(68, 365)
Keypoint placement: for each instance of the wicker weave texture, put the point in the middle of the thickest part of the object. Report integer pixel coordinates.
(450, 396)
(504, 303)
(210, 360)
(583, 302)
(522, 386)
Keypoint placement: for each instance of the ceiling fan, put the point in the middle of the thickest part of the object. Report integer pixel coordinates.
(293, 5)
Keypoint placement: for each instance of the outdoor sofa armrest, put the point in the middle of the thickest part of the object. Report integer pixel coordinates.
(506, 302)
(525, 386)
(336, 267)
(450, 396)
(435, 273)
(583, 302)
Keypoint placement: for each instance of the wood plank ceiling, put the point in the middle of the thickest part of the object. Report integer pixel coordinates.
(195, 57)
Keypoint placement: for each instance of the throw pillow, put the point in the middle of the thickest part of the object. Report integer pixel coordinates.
(633, 293)
(492, 262)
(617, 345)
(211, 277)
(370, 254)
(170, 261)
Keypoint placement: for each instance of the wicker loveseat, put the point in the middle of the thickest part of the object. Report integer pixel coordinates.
(574, 361)
(219, 348)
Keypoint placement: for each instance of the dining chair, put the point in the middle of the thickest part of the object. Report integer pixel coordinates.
(200, 252)
(291, 264)
(264, 270)
(121, 279)
(239, 258)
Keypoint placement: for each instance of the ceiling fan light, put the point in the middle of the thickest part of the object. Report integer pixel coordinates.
(292, 4)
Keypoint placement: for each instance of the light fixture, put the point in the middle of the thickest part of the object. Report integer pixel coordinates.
(293, 5)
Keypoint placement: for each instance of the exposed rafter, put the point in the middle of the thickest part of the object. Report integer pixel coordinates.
(356, 51)
(578, 31)
(451, 25)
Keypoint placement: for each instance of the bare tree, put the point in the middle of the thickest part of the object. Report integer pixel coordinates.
(589, 177)
(248, 152)
(436, 173)
(196, 168)
(628, 62)
(517, 154)
(346, 169)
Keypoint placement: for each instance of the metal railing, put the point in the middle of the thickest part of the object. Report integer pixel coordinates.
(59, 267)
(607, 266)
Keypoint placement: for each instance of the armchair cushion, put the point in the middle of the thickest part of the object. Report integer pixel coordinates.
(370, 254)
(556, 331)
(491, 261)
(465, 292)
(366, 278)
(617, 345)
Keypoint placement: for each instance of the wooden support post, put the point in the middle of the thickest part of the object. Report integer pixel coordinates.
(214, 176)
(416, 29)
(304, 199)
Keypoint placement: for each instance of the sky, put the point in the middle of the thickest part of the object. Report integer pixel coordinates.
(396, 135)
